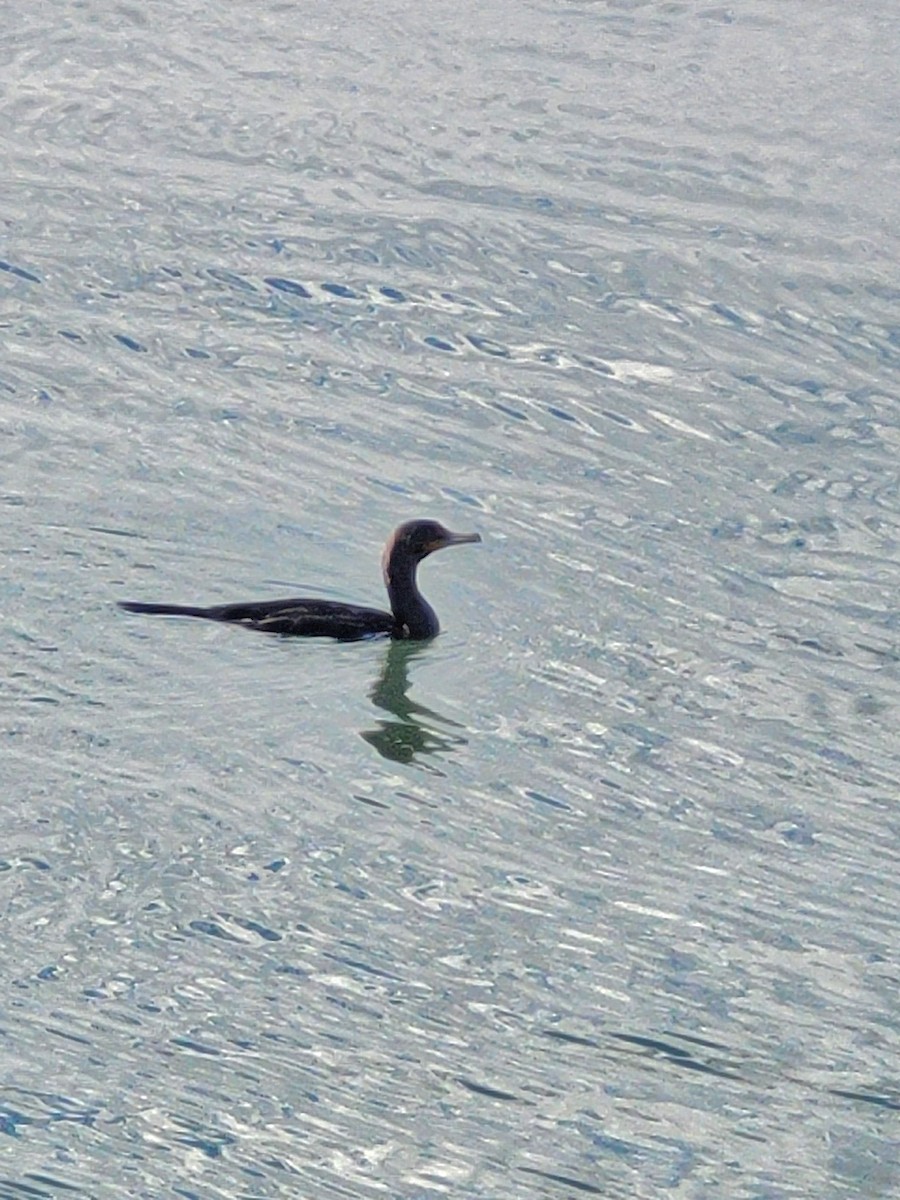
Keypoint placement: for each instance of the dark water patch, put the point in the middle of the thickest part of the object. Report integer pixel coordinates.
(365, 968)
(130, 343)
(213, 929)
(574, 1039)
(560, 414)
(483, 1089)
(550, 801)
(619, 419)
(665, 1050)
(486, 346)
(341, 290)
(185, 1043)
(461, 497)
(232, 279)
(413, 256)
(210, 1143)
(55, 1184)
(731, 317)
(879, 1100)
(372, 802)
(567, 1181)
(67, 1035)
(261, 931)
(19, 272)
(112, 532)
(290, 286)
(514, 413)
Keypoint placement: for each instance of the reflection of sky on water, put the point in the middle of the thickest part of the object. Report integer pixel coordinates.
(598, 890)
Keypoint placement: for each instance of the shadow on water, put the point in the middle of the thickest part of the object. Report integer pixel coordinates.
(409, 734)
(715, 1059)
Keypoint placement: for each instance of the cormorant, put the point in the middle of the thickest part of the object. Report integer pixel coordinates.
(411, 615)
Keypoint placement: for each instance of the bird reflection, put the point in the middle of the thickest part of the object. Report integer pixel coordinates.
(411, 734)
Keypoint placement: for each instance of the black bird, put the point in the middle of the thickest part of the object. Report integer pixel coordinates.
(411, 615)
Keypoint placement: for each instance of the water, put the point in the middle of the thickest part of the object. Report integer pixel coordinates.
(597, 893)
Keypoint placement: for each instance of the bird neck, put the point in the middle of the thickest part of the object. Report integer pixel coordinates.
(412, 613)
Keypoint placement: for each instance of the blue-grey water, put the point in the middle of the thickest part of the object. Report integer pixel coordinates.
(598, 893)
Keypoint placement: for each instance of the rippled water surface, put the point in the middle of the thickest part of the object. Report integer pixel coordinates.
(597, 894)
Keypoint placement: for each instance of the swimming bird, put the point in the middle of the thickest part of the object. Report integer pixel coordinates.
(411, 616)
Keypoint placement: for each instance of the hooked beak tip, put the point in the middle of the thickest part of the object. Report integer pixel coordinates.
(462, 539)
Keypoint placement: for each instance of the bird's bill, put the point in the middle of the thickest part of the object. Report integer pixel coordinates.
(454, 539)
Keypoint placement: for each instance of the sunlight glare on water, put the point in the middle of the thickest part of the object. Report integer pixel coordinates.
(596, 893)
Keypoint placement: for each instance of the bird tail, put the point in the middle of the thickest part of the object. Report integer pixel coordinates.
(169, 610)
